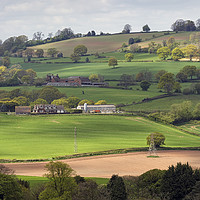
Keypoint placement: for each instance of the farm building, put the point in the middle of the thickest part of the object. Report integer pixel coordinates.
(98, 108)
(21, 110)
(72, 81)
(48, 108)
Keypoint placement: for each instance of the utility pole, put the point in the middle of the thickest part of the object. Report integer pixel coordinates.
(75, 140)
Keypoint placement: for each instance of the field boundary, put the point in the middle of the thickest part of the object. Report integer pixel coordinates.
(109, 152)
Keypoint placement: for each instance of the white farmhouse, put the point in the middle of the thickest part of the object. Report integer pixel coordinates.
(98, 108)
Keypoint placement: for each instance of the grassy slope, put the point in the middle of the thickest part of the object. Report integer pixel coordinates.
(47, 136)
(85, 69)
(99, 44)
(112, 96)
(110, 43)
(163, 104)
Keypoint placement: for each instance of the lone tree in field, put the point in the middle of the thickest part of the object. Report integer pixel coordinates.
(129, 57)
(80, 50)
(145, 85)
(167, 82)
(127, 29)
(75, 57)
(146, 28)
(112, 62)
(159, 139)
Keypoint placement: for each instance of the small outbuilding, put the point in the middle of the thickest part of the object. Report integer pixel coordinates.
(22, 110)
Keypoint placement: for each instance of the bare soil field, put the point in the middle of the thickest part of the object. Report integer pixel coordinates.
(122, 164)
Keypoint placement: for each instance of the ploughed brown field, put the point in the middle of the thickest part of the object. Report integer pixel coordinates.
(122, 164)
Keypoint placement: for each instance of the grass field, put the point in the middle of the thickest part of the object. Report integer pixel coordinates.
(85, 69)
(34, 180)
(163, 104)
(192, 126)
(47, 136)
(112, 96)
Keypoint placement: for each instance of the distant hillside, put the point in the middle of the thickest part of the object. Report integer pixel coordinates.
(109, 43)
(106, 43)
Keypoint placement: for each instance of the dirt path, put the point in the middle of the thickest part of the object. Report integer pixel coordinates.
(122, 164)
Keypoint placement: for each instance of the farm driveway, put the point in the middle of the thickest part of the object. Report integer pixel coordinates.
(122, 164)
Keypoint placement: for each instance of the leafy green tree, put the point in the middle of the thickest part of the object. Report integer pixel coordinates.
(153, 47)
(150, 183)
(89, 102)
(189, 70)
(101, 102)
(21, 100)
(181, 112)
(195, 193)
(146, 28)
(145, 85)
(127, 29)
(40, 101)
(87, 190)
(163, 53)
(61, 184)
(190, 51)
(73, 102)
(94, 78)
(116, 188)
(80, 50)
(179, 180)
(167, 82)
(62, 101)
(126, 80)
(39, 53)
(129, 57)
(10, 188)
(29, 53)
(50, 93)
(75, 57)
(112, 62)
(181, 77)
(131, 41)
(159, 74)
(177, 54)
(52, 52)
(196, 111)
(159, 139)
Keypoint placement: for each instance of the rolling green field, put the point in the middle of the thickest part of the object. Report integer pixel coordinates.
(112, 96)
(47, 136)
(85, 69)
(163, 104)
(192, 127)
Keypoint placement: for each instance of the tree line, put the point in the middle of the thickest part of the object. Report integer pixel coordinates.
(46, 95)
(179, 182)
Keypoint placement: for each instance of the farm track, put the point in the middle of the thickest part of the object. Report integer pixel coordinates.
(122, 164)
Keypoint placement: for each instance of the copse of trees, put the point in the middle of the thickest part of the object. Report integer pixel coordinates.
(185, 25)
